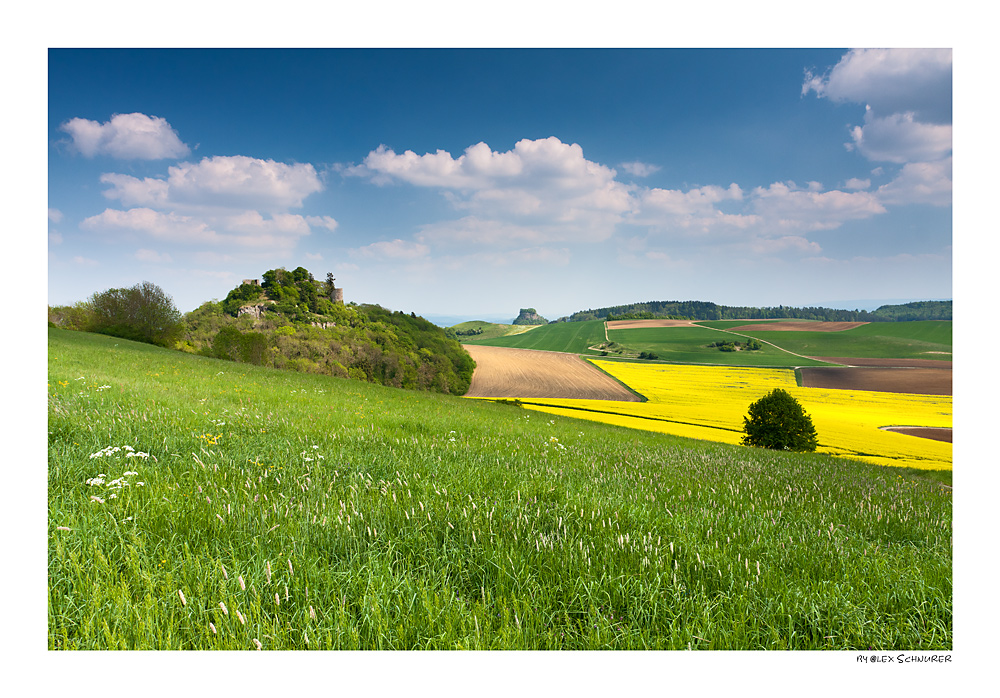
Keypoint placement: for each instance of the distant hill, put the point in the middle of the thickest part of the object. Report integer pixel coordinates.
(529, 316)
(705, 310)
(291, 321)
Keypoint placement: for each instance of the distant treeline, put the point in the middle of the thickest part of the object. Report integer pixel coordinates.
(704, 310)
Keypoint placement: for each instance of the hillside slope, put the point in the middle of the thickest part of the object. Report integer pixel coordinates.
(200, 504)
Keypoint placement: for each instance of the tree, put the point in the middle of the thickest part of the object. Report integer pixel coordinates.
(143, 313)
(778, 421)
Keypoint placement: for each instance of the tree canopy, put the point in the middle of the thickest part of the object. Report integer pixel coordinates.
(144, 313)
(778, 421)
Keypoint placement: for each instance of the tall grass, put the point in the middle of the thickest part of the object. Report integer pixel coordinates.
(261, 509)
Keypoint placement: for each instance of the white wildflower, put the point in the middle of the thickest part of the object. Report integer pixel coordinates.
(96, 499)
(95, 481)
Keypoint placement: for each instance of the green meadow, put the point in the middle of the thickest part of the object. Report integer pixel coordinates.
(195, 503)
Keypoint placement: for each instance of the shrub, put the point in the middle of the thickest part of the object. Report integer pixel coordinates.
(778, 421)
(142, 312)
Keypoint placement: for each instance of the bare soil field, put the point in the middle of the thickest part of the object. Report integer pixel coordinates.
(924, 432)
(513, 373)
(799, 326)
(923, 381)
(887, 363)
(639, 324)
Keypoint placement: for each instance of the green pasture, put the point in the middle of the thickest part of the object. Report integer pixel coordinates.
(195, 503)
(571, 337)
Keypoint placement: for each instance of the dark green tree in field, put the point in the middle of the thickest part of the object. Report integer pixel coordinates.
(144, 313)
(778, 421)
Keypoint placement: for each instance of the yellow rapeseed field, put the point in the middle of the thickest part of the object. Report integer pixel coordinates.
(709, 402)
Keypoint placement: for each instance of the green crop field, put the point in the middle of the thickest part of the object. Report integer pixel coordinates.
(923, 339)
(572, 337)
(200, 504)
(690, 345)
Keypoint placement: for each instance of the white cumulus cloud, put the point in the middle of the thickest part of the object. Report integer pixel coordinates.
(920, 182)
(126, 137)
(907, 95)
(891, 81)
(545, 184)
(784, 206)
(899, 138)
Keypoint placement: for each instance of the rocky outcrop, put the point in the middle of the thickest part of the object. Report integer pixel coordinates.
(529, 316)
(256, 310)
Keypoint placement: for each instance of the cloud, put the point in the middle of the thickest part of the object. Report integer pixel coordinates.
(784, 206)
(891, 81)
(919, 183)
(855, 184)
(132, 191)
(152, 257)
(55, 238)
(392, 250)
(694, 211)
(545, 185)
(907, 95)
(240, 181)
(169, 227)
(639, 169)
(125, 137)
(898, 138)
(322, 222)
(55, 215)
(787, 243)
(246, 229)
(85, 262)
(219, 182)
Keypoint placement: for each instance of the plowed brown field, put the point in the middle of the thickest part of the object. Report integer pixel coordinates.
(924, 432)
(923, 381)
(886, 363)
(504, 372)
(799, 326)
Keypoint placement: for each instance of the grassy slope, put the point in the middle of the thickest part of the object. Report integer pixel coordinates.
(572, 337)
(389, 519)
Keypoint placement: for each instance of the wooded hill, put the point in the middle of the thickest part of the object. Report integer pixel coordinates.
(289, 321)
(704, 310)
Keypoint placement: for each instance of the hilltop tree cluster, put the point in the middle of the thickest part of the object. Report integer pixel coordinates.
(300, 328)
(297, 327)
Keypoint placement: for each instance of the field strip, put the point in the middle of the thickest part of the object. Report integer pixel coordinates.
(503, 372)
(764, 341)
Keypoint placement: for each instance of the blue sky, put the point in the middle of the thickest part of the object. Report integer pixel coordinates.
(470, 183)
